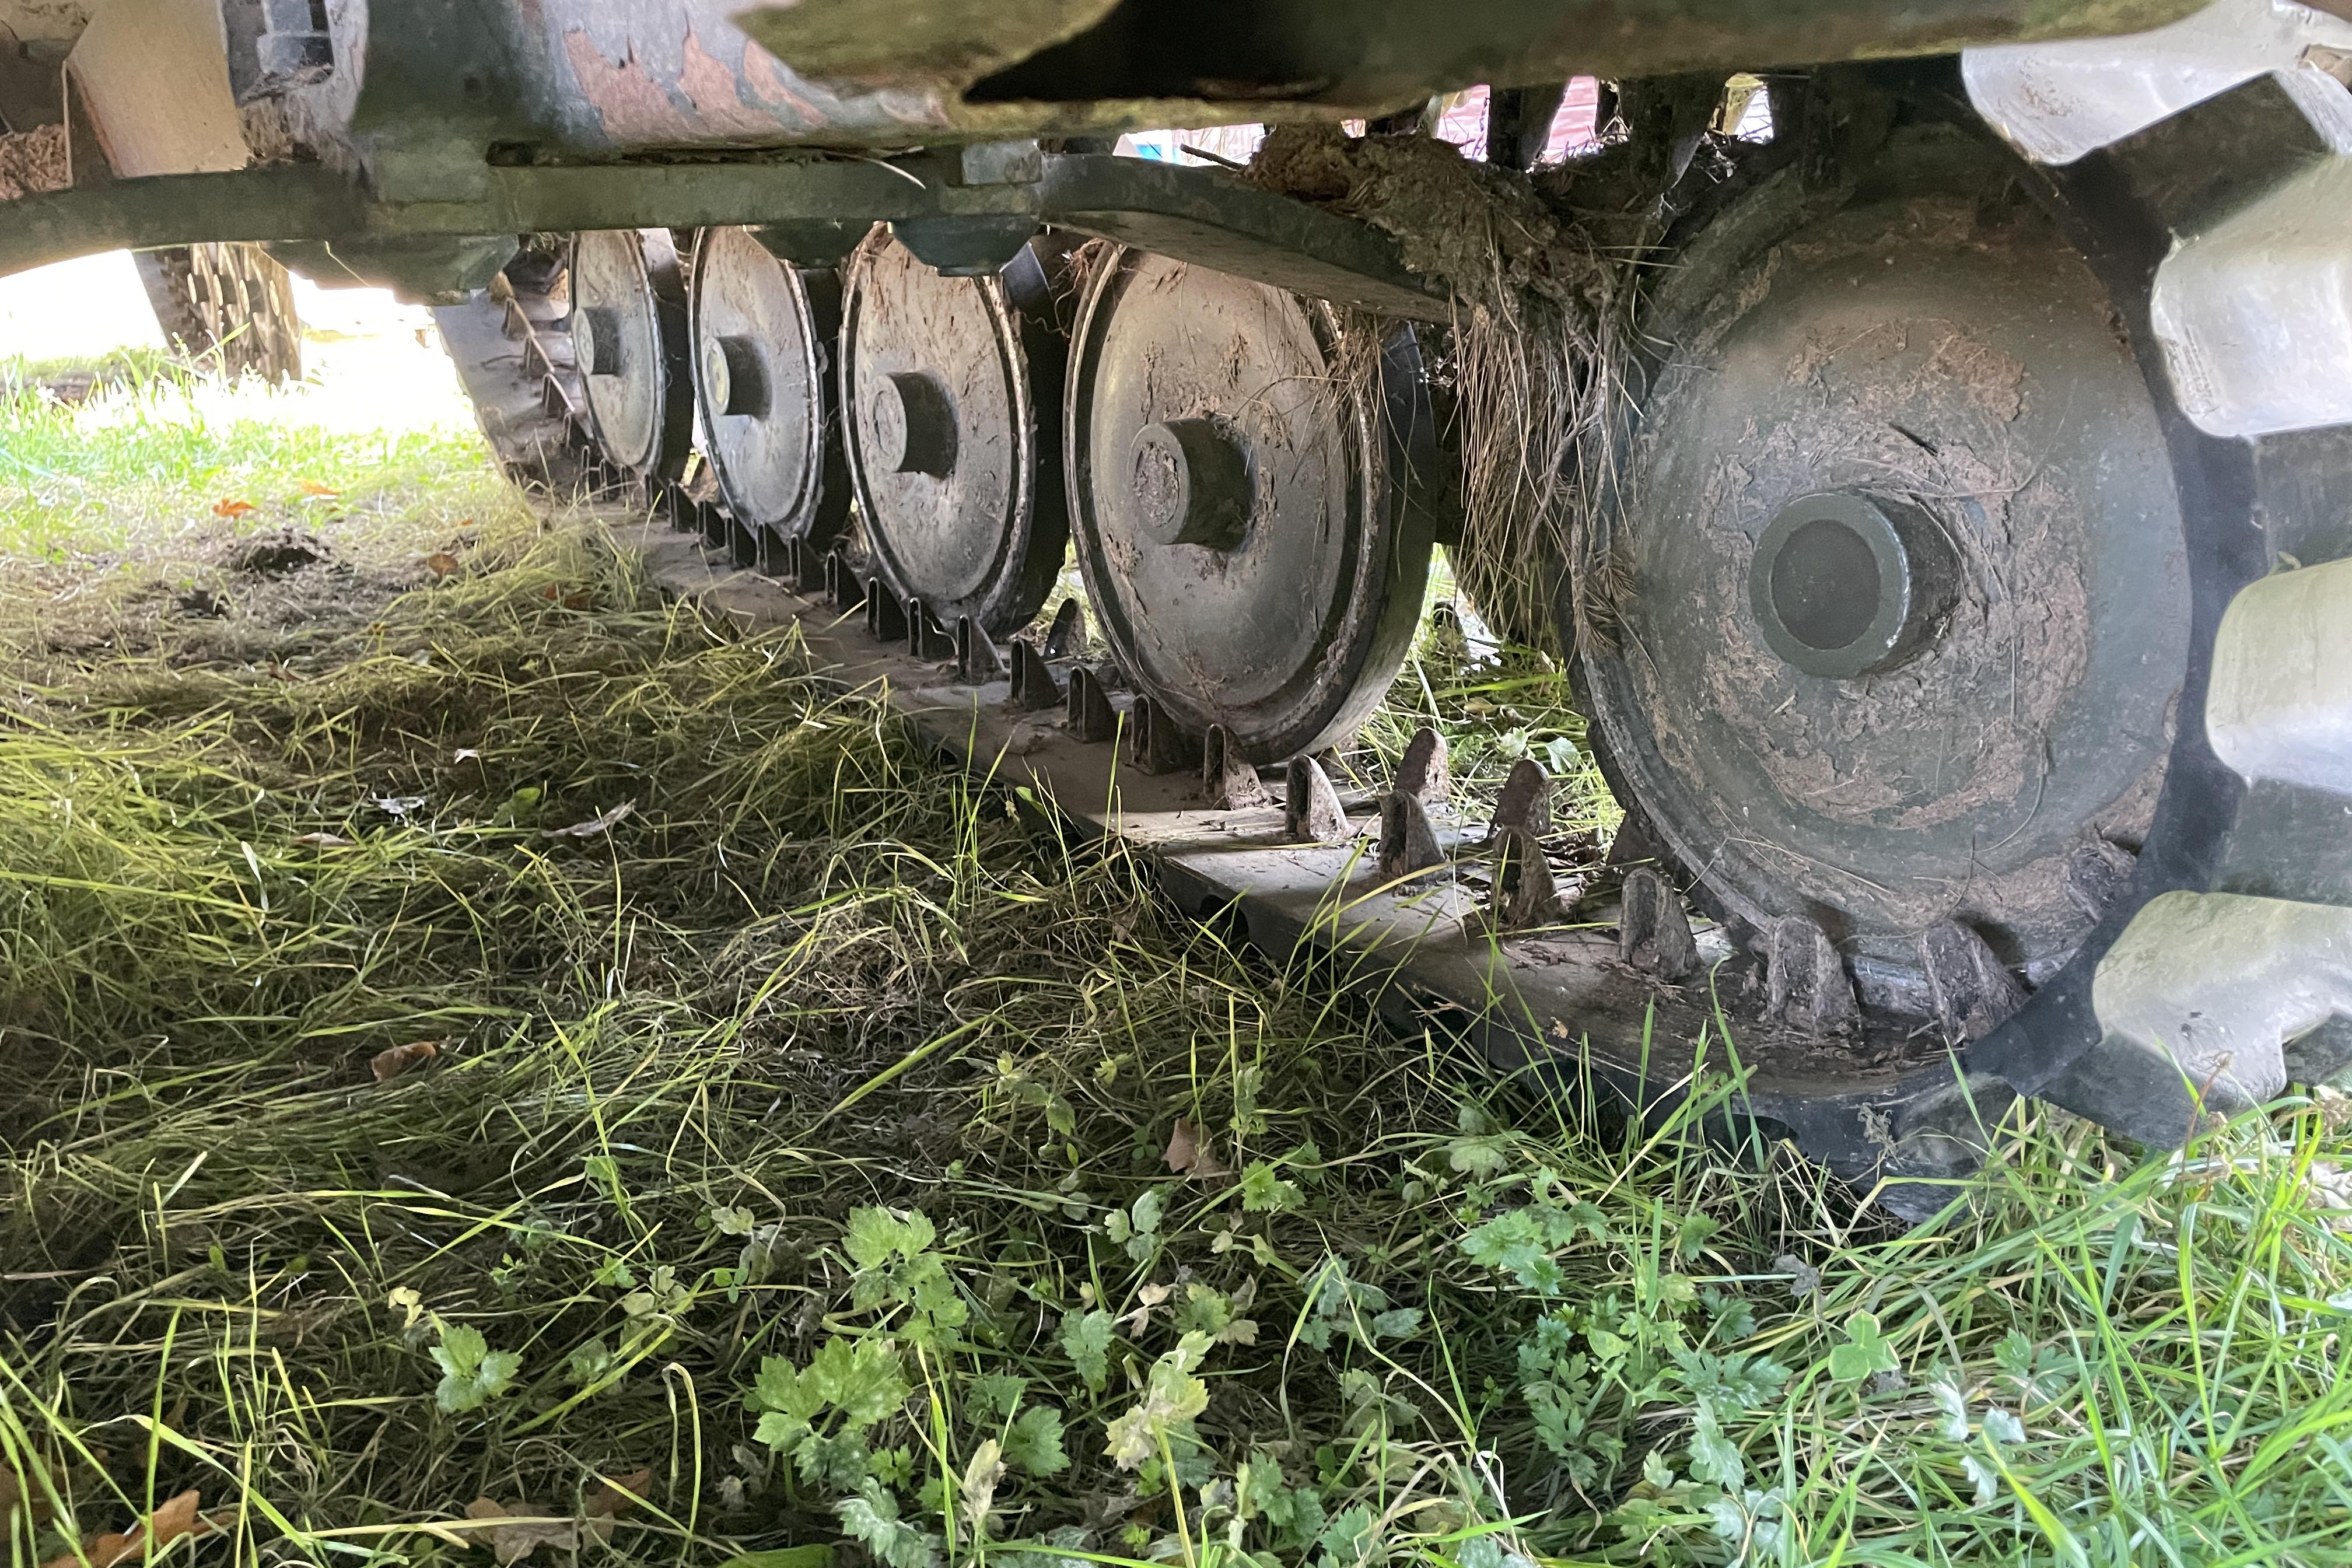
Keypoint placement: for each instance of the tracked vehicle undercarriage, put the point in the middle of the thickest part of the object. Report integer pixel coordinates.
(1936, 478)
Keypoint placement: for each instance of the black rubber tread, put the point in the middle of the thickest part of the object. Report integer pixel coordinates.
(2276, 503)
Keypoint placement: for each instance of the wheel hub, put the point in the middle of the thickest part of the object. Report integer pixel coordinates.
(1904, 610)
(1844, 585)
(1190, 485)
(912, 416)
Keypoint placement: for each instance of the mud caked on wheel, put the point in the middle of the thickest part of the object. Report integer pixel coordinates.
(230, 303)
(950, 397)
(1240, 514)
(629, 339)
(1914, 647)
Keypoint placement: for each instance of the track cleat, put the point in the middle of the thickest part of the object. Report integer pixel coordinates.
(1424, 773)
(1233, 785)
(1805, 983)
(1033, 687)
(1653, 933)
(1973, 994)
(1311, 812)
(1409, 844)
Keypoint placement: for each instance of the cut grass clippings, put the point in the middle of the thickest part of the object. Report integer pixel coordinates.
(796, 1166)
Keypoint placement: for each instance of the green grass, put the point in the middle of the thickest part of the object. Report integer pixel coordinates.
(157, 447)
(793, 1153)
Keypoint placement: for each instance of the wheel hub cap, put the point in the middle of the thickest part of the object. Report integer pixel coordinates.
(1843, 585)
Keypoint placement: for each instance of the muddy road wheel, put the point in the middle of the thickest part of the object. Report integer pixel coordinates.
(951, 394)
(765, 332)
(1937, 625)
(629, 331)
(1241, 518)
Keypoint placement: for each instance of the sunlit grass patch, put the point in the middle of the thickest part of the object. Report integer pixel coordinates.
(156, 449)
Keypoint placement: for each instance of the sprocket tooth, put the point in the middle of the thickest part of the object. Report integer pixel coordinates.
(2214, 988)
(1806, 985)
(2280, 706)
(1973, 992)
(1653, 932)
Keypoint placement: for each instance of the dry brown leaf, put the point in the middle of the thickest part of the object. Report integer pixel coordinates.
(24, 1490)
(518, 1530)
(615, 1497)
(170, 1522)
(394, 1060)
(442, 562)
(313, 488)
(1192, 1151)
(515, 1532)
(594, 824)
(231, 508)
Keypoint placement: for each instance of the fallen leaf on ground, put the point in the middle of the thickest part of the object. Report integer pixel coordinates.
(442, 562)
(614, 1498)
(313, 488)
(594, 824)
(231, 508)
(24, 1489)
(168, 1523)
(520, 1532)
(1192, 1151)
(394, 1060)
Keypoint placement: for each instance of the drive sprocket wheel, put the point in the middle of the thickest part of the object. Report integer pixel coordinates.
(1237, 483)
(230, 300)
(1931, 625)
(765, 332)
(629, 338)
(1905, 603)
(951, 392)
